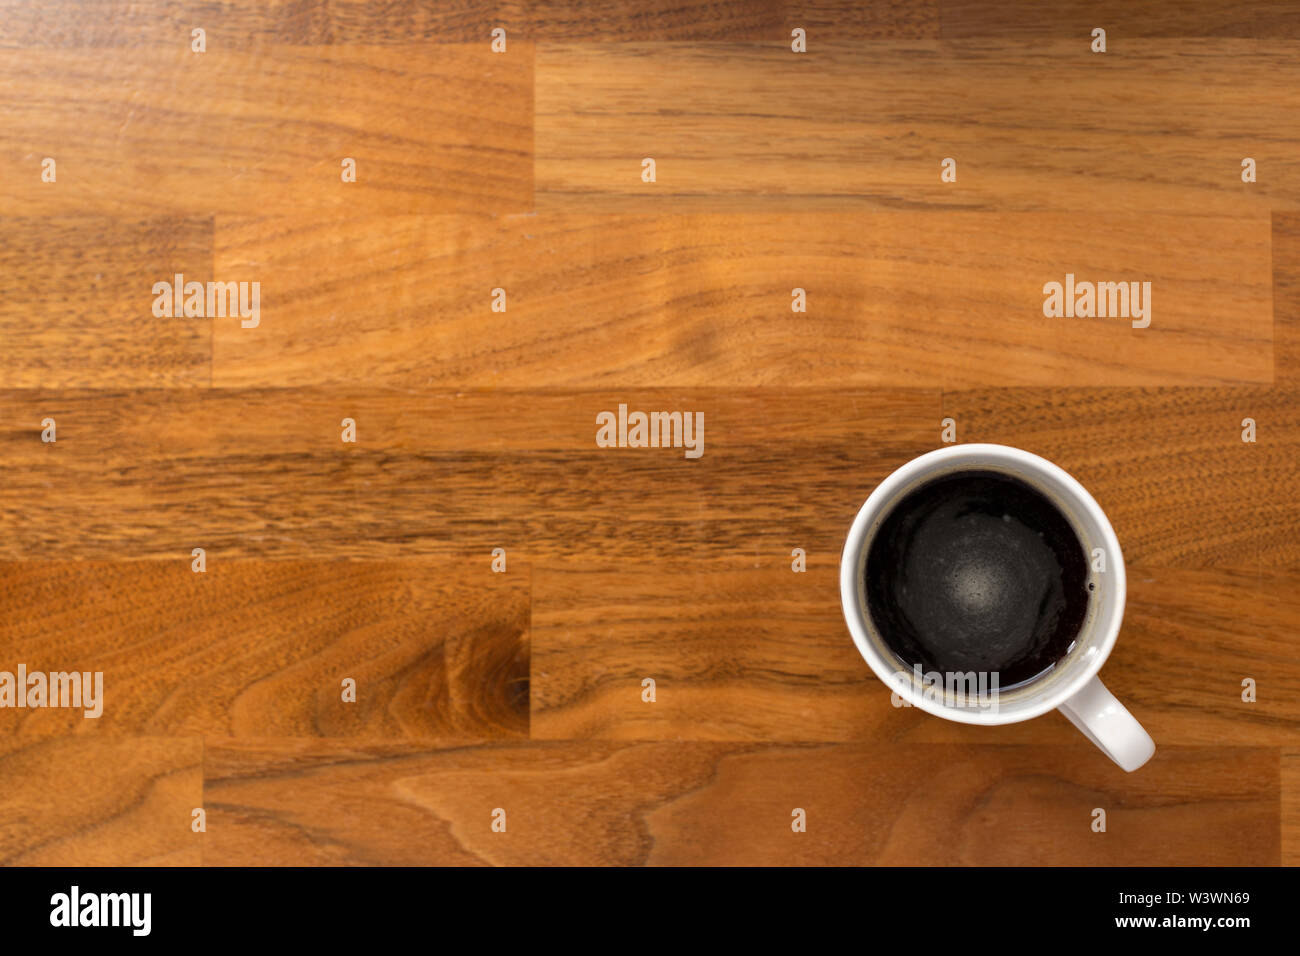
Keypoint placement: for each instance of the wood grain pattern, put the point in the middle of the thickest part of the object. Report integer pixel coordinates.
(865, 126)
(1168, 465)
(168, 131)
(942, 805)
(476, 429)
(1286, 299)
(244, 25)
(710, 804)
(435, 651)
(609, 21)
(761, 655)
(106, 801)
(265, 473)
(149, 474)
(76, 305)
(911, 299)
(1257, 19)
(1291, 808)
(74, 24)
(750, 655)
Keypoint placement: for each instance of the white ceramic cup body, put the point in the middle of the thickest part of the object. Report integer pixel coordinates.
(1072, 685)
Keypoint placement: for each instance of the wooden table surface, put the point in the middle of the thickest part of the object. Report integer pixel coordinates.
(521, 170)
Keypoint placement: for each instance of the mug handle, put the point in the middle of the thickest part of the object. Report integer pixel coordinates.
(1109, 725)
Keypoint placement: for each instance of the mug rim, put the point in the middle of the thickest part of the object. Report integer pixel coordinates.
(856, 540)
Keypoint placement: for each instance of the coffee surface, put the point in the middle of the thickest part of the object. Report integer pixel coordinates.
(978, 571)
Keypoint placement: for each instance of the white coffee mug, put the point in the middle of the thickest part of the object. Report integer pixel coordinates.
(1072, 685)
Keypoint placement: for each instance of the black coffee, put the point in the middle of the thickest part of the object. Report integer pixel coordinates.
(977, 571)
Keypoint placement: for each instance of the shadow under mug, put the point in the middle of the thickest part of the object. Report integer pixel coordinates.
(1072, 685)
